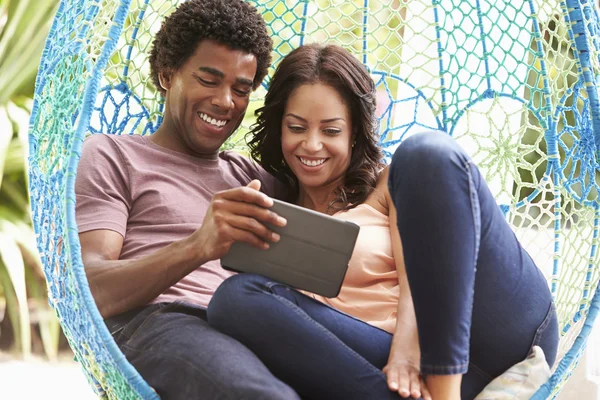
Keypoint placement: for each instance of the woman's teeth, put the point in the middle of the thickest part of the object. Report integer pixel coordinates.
(212, 121)
(312, 163)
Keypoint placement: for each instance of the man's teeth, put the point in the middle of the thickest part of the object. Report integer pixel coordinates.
(312, 163)
(212, 121)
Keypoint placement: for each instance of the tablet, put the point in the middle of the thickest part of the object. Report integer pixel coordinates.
(312, 253)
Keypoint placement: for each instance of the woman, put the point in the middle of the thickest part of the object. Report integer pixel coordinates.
(480, 302)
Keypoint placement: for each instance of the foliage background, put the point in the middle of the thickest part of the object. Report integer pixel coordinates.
(27, 323)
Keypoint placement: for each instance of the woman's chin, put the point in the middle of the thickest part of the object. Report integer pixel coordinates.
(312, 183)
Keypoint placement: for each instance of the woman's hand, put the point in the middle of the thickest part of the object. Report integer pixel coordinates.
(404, 377)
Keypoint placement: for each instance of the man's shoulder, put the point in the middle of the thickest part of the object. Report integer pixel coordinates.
(253, 170)
(107, 140)
(112, 145)
(241, 161)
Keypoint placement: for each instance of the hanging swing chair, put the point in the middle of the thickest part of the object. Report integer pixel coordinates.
(513, 82)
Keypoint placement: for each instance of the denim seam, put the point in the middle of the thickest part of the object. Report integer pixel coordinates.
(222, 389)
(476, 215)
(542, 328)
(303, 315)
(481, 372)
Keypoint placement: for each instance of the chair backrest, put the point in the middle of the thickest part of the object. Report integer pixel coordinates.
(514, 83)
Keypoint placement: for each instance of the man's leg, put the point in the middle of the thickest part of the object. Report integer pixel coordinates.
(319, 351)
(182, 357)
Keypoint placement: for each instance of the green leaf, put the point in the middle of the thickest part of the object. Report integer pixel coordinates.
(48, 323)
(6, 134)
(20, 118)
(11, 257)
(22, 40)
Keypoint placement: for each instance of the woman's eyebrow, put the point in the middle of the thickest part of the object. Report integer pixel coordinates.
(322, 121)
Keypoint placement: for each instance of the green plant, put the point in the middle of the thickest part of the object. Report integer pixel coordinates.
(24, 25)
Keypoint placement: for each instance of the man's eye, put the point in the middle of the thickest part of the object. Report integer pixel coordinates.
(205, 82)
(243, 92)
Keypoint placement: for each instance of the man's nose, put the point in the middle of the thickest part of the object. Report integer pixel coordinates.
(223, 99)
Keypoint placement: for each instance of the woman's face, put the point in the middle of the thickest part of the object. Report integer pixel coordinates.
(316, 135)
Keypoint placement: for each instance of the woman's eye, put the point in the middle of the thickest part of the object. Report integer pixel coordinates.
(332, 131)
(295, 128)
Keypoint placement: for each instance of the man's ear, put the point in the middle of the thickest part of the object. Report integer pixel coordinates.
(164, 77)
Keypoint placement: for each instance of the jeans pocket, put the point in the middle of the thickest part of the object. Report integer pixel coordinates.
(141, 320)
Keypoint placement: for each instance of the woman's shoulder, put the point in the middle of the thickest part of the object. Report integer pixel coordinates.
(379, 198)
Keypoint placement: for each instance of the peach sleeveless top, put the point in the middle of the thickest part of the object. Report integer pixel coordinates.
(370, 290)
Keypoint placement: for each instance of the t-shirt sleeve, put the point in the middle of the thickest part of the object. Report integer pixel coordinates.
(102, 187)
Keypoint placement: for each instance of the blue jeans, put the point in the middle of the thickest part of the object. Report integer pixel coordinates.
(469, 276)
(175, 350)
(481, 302)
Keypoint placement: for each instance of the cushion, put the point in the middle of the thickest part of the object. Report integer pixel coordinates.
(520, 381)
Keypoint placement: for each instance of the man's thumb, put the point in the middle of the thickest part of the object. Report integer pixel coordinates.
(255, 184)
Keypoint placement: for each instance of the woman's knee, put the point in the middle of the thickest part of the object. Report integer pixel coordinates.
(425, 158)
(233, 294)
(426, 150)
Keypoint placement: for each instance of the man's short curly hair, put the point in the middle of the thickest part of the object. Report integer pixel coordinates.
(233, 23)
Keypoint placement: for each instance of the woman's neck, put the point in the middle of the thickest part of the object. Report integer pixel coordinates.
(318, 199)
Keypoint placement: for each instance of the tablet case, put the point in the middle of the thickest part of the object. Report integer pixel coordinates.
(312, 254)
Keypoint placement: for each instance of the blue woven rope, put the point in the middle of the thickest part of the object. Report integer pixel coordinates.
(564, 180)
(578, 12)
(573, 355)
(130, 374)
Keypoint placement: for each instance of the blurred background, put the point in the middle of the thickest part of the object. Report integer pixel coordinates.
(35, 360)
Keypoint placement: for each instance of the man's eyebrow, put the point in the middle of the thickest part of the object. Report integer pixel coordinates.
(244, 81)
(220, 74)
(322, 121)
(212, 71)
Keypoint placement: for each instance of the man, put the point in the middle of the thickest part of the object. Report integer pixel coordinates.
(155, 214)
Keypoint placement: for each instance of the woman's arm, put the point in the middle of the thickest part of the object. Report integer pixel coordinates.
(403, 367)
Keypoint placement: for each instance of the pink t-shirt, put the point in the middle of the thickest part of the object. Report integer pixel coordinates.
(154, 196)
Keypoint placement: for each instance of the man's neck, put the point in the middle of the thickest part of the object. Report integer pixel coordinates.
(166, 136)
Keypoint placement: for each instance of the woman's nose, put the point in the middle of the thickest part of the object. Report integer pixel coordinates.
(312, 143)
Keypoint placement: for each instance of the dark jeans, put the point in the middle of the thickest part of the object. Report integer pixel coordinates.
(175, 350)
(481, 302)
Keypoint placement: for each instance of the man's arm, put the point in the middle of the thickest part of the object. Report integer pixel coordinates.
(121, 285)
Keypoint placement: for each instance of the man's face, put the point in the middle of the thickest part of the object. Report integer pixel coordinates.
(207, 97)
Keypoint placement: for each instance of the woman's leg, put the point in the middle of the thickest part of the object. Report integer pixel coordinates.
(481, 302)
(318, 351)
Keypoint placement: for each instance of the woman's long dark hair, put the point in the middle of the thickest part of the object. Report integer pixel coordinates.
(333, 66)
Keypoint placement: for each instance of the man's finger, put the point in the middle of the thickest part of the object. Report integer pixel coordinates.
(261, 214)
(253, 226)
(255, 184)
(240, 235)
(247, 194)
